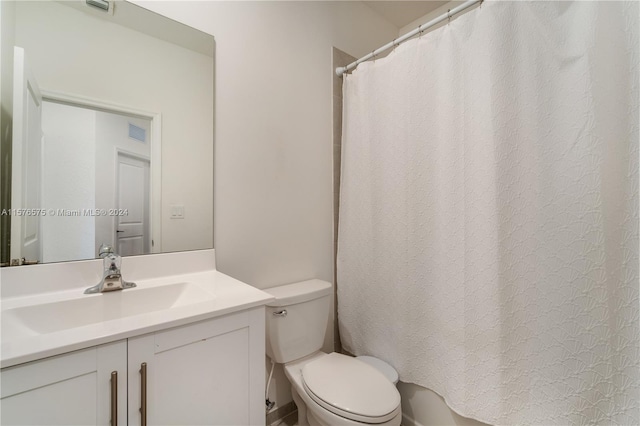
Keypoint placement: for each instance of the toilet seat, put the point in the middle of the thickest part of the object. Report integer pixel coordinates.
(351, 389)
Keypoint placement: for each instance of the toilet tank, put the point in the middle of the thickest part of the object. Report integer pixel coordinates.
(297, 319)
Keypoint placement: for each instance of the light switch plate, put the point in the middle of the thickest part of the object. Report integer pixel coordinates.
(177, 211)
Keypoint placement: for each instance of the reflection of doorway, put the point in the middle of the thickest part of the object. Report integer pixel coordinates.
(132, 205)
(89, 176)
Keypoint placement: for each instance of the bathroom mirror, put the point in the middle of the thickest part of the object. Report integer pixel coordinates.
(112, 139)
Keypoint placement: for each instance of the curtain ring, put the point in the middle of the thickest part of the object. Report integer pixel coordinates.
(449, 16)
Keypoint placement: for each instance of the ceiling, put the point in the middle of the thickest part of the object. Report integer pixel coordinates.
(401, 13)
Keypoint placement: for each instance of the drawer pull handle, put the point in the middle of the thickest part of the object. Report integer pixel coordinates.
(143, 408)
(114, 398)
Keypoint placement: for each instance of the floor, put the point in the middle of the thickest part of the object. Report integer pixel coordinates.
(290, 420)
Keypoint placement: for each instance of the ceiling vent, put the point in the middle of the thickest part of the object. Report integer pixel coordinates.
(137, 133)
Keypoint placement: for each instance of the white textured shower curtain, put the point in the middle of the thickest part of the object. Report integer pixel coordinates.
(488, 234)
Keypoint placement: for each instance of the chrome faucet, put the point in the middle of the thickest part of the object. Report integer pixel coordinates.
(111, 277)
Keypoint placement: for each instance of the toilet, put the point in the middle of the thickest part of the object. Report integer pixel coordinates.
(328, 389)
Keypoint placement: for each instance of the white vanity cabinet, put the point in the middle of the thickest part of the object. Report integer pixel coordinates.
(68, 389)
(208, 372)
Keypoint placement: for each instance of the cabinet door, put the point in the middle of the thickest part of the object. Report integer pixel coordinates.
(207, 373)
(69, 389)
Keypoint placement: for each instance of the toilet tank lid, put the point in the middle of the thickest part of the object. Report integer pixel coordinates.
(299, 292)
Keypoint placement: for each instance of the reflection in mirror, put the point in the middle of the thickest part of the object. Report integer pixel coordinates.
(108, 157)
(112, 139)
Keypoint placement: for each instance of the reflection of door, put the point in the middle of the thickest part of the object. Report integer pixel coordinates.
(132, 205)
(27, 159)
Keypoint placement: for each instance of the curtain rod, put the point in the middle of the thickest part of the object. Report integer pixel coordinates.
(399, 40)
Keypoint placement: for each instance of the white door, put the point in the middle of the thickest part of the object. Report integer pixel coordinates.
(132, 206)
(27, 162)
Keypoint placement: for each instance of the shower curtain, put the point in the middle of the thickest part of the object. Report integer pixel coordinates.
(488, 228)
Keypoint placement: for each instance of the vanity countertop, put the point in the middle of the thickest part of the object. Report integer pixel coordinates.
(44, 324)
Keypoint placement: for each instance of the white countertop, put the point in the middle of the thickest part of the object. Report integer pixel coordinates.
(217, 294)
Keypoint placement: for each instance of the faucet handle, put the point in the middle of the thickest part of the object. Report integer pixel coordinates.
(105, 250)
(112, 262)
(111, 277)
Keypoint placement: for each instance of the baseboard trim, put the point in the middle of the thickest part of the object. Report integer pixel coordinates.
(408, 421)
(280, 413)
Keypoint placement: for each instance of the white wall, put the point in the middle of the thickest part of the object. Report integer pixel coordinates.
(154, 76)
(68, 181)
(273, 160)
(434, 14)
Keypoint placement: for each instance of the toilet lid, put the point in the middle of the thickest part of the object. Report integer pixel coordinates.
(381, 366)
(351, 389)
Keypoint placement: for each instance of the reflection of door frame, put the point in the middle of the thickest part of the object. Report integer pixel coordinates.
(147, 234)
(24, 86)
(155, 139)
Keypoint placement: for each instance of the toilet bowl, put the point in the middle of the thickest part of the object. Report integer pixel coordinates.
(335, 389)
(328, 389)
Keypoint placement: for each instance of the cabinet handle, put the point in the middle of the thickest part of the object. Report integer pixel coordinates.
(143, 397)
(114, 398)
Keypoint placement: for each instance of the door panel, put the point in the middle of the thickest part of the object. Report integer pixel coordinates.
(133, 186)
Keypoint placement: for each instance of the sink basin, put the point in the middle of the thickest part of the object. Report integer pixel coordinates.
(90, 309)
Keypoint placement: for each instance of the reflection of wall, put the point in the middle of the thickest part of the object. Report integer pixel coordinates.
(68, 181)
(152, 75)
(7, 36)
